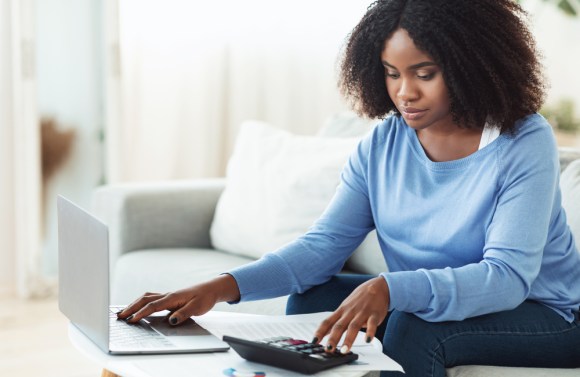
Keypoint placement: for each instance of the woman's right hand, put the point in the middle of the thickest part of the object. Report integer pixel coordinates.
(193, 301)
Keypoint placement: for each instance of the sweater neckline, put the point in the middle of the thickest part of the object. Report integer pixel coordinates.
(420, 154)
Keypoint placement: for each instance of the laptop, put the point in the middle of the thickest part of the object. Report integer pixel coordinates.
(83, 262)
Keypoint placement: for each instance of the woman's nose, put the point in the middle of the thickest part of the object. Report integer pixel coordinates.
(407, 91)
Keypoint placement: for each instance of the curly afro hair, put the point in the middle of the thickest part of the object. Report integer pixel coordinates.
(486, 52)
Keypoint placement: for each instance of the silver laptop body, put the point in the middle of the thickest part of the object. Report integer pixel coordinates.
(83, 261)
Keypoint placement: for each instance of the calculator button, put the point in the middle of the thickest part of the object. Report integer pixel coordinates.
(277, 339)
(296, 342)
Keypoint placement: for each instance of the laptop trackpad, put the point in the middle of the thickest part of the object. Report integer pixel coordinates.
(187, 328)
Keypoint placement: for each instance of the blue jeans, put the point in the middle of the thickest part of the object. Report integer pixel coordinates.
(531, 335)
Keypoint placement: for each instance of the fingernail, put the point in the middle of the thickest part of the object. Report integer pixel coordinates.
(344, 349)
(173, 320)
(130, 317)
(314, 340)
(120, 311)
(368, 339)
(329, 347)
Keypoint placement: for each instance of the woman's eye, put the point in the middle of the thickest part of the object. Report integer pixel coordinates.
(392, 75)
(428, 76)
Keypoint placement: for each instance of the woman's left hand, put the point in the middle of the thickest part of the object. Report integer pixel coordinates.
(366, 306)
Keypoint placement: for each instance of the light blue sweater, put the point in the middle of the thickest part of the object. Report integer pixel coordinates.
(461, 238)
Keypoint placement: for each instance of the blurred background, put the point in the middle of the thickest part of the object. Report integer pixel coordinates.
(107, 91)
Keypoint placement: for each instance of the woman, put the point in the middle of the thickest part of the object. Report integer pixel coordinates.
(461, 184)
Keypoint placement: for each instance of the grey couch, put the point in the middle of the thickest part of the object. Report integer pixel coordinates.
(160, 241)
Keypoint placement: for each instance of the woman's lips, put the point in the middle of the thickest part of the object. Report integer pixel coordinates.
(412, 113)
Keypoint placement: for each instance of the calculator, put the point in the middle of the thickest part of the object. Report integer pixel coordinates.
(288, 353)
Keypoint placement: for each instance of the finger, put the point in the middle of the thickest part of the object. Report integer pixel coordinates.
(138, 304)
(339, 328)
(193, 307)
(165, 302)
(372, 323)
(351, 333)
(335, 334)
(325, 327)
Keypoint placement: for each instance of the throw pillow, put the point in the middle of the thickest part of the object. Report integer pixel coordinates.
(347, 124)
(570, 185)
(277, 185)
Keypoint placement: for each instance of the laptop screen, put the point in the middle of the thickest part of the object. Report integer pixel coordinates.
(83, 264)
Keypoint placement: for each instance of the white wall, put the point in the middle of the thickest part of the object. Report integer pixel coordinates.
(69, 75)
(558, 36)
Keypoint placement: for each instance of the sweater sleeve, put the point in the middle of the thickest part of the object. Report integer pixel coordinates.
(514, 243)
(315, 257)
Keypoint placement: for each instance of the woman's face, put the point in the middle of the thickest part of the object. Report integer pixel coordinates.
(415, 84)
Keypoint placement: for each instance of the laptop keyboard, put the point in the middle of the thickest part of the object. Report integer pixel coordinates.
(124, 335)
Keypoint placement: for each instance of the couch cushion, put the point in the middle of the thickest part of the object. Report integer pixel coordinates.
(368, 257)
(570, 185)
(278, 184)
(172, 269)
(489, 371)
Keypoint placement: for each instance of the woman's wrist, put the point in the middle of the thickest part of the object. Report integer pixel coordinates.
(226, 288)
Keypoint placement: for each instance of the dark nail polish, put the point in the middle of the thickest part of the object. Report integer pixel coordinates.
(368, 339)
(130, 317)
(119, 312)
(329, 347)
(173, 320)
(314, 340)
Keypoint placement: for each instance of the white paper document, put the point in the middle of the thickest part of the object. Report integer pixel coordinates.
(248, 326)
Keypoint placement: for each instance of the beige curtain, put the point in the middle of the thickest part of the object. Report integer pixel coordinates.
(20, 270)
(182, 76)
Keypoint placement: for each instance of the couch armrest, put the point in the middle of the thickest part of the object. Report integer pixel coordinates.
(176, 214)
